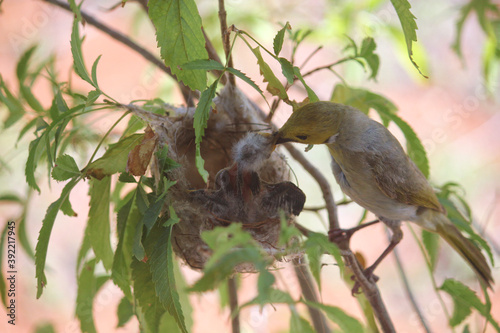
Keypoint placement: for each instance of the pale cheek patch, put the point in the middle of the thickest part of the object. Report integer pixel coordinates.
(252, 151)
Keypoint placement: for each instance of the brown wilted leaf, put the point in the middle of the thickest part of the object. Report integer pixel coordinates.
(139, 157)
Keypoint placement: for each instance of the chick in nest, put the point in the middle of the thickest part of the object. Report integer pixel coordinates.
(241, 196)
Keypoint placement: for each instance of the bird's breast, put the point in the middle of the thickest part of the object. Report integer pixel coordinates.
(356, 180)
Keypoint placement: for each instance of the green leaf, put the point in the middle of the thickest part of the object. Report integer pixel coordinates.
(128, 217)
(464, 299)
(92, 96)
(44, 236)
(173, 218)
(161, 265)
(31, 99)
(368, 47)
(114, 160)
(274, 85)
(22, 64)
(201, 116)
(299, 324)
(45, 328)
(310, 93)
(409, 26)
(278, 39)
(31, 164)
(125, 312)
(274, 296)
(85, 297)
(338, 316)
(76, 51)
(431, 244)
(316, 245)
(16, 109)
(180, 38)
(148, 309)
(98, 222)
(203, 64)
(287, 70)
(94, 72)
(414, 146)
(65, 168)
(246, 79)
(223, 268)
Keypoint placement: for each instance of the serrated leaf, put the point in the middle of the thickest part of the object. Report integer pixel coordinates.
(76, 51)
(409, 26)
(149, 309)
(128, 217)
(85, 297)
(161, 265)
(44, 236)
(223, 268)
(180, 38)
(31, 99)
(114, 160)
(204, 64)
(31, 164)
(299, 324)
(98, 222)
(279, 38)
(346, 322)
(22, 64)
(65, 168)
(92, 96)
(274, 85)
(246, 79)
(94, 72)
(16, 109)
(431, 244)
(125, 312)
(287, 69)
(463, 300)
(316, 245)
(368, 47)
(310, 93)
(201, 116)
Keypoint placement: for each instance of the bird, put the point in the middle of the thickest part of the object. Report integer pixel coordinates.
(372, 168)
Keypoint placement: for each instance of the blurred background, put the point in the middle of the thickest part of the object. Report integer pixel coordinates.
(455, 113)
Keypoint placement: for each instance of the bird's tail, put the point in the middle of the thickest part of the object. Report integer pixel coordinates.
(468, 250)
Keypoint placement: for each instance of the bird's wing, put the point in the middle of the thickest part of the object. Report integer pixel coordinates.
(400, 179)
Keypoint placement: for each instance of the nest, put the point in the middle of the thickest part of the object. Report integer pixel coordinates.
(252, 196)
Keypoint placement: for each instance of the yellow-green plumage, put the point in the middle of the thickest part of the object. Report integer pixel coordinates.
(372, 168)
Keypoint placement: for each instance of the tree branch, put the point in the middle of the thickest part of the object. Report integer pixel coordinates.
(233, 305)
(118, 36)
(306, 285)
(225, 39)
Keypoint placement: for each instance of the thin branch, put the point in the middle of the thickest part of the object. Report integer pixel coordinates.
(233, 304)
(408, 290)
(225, 39)
(306, 285)
(212, 54)
(118, 36)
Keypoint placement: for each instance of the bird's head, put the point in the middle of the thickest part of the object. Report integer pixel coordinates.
(313, 123)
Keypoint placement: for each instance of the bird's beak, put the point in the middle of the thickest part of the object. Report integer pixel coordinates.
(278, 139)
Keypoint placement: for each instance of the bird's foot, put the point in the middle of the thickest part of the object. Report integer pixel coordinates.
(368, 273)
(341, 237)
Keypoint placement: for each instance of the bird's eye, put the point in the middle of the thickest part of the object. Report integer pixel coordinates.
(301, 137)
